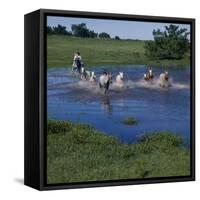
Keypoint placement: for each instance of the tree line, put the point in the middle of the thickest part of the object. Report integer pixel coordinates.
(77, 30)
(172, 43)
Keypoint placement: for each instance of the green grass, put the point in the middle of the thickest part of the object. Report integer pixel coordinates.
(78, 152)
(129, 121)
(60, 52)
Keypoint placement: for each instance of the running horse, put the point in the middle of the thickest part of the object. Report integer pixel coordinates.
(164, 79)
(104, 81)
(149, 76)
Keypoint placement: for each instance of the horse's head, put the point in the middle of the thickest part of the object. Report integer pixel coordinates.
(82, 70)
(150, 72)
(166, 75)
(121, 74)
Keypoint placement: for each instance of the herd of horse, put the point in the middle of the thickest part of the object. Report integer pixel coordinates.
(106, 79)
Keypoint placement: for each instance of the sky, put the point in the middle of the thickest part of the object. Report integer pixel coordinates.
(123, 29)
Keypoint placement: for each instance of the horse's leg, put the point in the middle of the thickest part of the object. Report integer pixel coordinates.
(105, 91)
(163, 85)
(107, 85)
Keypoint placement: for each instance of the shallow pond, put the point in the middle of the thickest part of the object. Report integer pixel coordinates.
(155, 108)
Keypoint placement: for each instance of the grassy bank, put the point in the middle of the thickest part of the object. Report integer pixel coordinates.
(77, 152)
(101, 52)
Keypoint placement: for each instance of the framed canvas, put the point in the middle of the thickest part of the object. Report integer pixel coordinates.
(109, 99)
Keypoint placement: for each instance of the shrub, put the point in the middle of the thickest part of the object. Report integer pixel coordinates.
(104, 35)
(117, 38)
(160, 141)
(129, 121)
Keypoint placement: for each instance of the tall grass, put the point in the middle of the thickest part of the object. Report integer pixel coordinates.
(60, 50)
(78, 152)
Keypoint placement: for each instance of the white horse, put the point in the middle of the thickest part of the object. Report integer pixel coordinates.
(164, 79)
(151, 73)
(119, 80)
(83, 74)
(93, 77)
(89, 73)
(104, 81)
(145, 77)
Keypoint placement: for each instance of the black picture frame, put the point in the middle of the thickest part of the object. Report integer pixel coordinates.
(35, 87)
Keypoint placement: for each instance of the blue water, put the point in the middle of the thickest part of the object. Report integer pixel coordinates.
(155, 108)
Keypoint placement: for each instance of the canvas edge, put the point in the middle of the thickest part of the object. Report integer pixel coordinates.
(42, 91)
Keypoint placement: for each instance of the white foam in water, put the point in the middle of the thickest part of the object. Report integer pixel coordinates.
(124, 86)
(86, 85)
(155, 84)
(180, 85)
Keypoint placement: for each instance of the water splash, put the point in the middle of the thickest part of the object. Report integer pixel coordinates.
(155, 84)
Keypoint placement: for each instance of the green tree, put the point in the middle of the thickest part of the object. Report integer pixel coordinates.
(104, 35)
(117, 38)
(60, 30)
(81, 30)
(172, 43)
(92, 34)
(49, 30)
